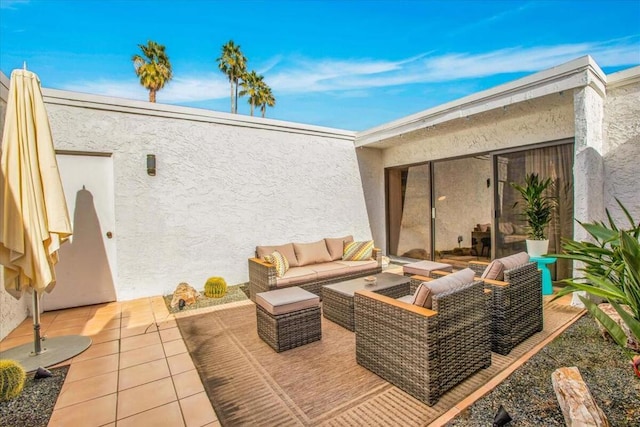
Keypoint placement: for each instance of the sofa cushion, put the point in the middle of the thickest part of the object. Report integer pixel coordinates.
(335, 245)
(359, 266)
(312, 253)
(407, 298)
(287, 300)
(286, 250)
(496, 269)
(358, 251)
(327, 270)
(279, 261)
(296, 275)
(425, 292)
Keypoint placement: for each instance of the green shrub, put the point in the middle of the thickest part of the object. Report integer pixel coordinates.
(611, 270)
(12, 377)
(215, 287)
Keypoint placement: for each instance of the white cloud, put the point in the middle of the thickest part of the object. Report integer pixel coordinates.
(304, 75)
(11, 4)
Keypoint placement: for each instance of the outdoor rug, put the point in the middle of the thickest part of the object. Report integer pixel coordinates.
(319, 383)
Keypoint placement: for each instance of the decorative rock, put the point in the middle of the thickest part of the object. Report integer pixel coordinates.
(184, 292)
(608, 309)
(575, 400)
(42, 373)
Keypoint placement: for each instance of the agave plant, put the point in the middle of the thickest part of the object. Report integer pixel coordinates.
(611, 270)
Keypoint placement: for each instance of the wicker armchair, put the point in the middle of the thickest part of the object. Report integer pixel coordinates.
(516, 304)
(423, 352)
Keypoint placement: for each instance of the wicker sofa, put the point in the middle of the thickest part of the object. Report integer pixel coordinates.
(424, 352)
(311, 266)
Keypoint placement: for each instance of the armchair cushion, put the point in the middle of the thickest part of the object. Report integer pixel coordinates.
(279, 261)
(496, 269)
(451, 282)
(312, 253)
(336, 246)
(358, 251)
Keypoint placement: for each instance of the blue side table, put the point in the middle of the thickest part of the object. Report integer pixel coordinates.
(543, 262)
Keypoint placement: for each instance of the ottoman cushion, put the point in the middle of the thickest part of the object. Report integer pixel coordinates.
(423, 268)
(286, 300)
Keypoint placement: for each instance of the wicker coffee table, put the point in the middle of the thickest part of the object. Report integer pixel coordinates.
(337, 299)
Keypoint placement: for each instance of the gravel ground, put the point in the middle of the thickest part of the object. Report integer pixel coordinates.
(528, 395)
(234, 293)
(33, 407)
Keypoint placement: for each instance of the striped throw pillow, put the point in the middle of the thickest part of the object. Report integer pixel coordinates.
(279, 261)
(358, 251)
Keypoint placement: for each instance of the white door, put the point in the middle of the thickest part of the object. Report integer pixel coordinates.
(86, 270)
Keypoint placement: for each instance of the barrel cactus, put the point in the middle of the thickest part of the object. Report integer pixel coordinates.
(12, 377)
(215, 287)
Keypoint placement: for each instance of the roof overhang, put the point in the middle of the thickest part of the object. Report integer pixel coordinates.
(574, 74)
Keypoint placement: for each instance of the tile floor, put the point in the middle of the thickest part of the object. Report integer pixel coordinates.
(137, 371)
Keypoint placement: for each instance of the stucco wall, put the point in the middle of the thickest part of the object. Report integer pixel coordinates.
(220, 190)
(622, 150)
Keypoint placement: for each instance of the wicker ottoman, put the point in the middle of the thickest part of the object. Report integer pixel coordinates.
(288, 318)
(424, 268)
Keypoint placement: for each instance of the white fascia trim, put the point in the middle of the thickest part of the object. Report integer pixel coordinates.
(105, 103)
(577, 73)
(624, 77)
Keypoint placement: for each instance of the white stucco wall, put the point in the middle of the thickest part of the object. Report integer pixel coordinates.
(621, 149)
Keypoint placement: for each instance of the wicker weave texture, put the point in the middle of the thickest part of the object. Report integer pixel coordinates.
(289, 330)
(424, 355)
(338, 307)
(262, 277)
(517, 308)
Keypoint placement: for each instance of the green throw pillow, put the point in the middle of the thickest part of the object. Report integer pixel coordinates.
(358, 251)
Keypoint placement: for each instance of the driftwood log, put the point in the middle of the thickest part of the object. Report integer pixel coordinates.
(578, 405)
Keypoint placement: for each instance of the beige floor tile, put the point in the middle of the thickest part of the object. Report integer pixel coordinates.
(141, 355)
(54, 331)
(170, 334)
(98, 350)
(187, 384)
(168, 415)
(143, 373)
(74, 313)
(25, 328)
(213, 424)
(104, 336)
(172, 348)
(167, 324)
(138, 341)
(131, 331)
(197, 410)
(87, 389)
(180, 363)
(142, 398)
(68, 323)
(92, 367)
(8, 343)
(95, 412)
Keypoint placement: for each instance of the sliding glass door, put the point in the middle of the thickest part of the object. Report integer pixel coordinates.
(409, 211)
(462, 199)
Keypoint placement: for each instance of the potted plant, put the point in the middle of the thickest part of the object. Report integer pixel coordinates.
(537, 210)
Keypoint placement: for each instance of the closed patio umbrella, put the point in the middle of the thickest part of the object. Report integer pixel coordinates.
(35, 221)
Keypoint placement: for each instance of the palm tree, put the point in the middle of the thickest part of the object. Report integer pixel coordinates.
(265, 98)
(234, 64)
(251, 84)
(154, 69)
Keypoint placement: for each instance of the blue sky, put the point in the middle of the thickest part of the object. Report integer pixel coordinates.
(343, 64)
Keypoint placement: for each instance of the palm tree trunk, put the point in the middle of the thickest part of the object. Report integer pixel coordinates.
(231, 87)
(236, 104)
(152, 95)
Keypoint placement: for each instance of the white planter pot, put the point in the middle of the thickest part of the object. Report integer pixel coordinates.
(536, 248)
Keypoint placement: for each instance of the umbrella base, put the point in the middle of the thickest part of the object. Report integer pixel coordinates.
(54, 351)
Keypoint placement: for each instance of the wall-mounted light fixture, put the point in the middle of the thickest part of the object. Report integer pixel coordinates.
(151, 164)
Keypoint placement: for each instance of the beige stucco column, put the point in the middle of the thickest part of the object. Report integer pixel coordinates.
(588, 168)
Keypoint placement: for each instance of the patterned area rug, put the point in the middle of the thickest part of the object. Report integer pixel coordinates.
(316, 384)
